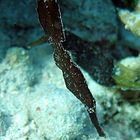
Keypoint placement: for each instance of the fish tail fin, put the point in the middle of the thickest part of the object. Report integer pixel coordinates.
(95, 121)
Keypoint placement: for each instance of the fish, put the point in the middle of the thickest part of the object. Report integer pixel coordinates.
(50, 19)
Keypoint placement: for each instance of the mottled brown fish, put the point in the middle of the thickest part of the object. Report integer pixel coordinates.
(50, 19)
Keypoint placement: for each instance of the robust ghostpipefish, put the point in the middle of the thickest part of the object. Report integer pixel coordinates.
(50, 19)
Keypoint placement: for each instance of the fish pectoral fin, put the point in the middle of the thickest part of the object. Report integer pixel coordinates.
(39, 41)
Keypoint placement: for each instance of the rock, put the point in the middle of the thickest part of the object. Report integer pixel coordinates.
(127, 77)
(4, 44)
(21, 13)
(47, 110)
(17, 63)
(90, 20)
(127, 73)
(44, 110)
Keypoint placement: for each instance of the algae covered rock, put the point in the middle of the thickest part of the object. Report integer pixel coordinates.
(91, 20)
(14, 13)
(42, 111)
(127, 73)
(4, 43)
(15, 64)
(131, 19)
(48, 111)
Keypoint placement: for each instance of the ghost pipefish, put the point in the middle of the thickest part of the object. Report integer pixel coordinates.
(50, 19)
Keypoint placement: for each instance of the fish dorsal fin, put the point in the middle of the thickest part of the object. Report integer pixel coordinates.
(50, 19)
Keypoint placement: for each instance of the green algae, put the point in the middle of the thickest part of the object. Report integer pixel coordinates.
(131, 19)
(126, 77)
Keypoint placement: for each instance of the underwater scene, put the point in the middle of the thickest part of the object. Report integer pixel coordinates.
(70, 70)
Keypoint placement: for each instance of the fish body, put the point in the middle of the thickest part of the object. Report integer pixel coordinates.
(50, 19)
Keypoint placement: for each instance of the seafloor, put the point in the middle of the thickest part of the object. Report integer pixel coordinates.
(34, 102)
